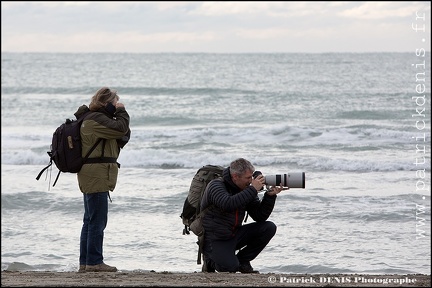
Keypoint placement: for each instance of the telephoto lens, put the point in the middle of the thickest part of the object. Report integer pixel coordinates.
(290, 180)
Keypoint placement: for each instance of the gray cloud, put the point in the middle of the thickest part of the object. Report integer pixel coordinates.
(212, 26)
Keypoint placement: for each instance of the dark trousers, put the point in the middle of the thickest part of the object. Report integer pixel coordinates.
(250, 240)
(92, 232)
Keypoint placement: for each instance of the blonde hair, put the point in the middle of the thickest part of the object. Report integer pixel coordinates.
(103, 96)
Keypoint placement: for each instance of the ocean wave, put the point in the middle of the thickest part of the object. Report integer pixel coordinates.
(163, 159)
(353, 148)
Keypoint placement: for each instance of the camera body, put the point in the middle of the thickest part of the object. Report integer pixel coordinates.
(290, 180)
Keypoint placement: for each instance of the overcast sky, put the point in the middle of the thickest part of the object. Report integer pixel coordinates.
(220, 27)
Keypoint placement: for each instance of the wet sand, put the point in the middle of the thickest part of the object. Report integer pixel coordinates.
(165, 279)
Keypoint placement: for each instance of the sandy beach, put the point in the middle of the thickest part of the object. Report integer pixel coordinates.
(165, 279)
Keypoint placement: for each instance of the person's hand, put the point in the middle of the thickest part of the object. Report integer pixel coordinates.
(258, 182)
(276, 190)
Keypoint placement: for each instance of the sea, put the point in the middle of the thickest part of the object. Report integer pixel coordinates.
(357, 124)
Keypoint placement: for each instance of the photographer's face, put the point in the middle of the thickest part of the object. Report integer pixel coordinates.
(244, 180)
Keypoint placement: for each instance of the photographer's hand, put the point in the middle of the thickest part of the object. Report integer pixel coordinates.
(258, 182)
(276, 190)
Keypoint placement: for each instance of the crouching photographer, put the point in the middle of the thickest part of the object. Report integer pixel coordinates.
(228, 200)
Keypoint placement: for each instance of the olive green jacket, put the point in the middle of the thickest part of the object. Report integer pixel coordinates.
(101, 177)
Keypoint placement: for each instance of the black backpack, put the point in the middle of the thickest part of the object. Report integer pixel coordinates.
(191, 214)
(66, 149)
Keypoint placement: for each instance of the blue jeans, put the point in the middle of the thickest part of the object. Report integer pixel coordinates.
(92, 232)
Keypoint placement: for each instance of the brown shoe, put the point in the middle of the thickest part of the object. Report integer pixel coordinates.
(100, 268)
(82, 269)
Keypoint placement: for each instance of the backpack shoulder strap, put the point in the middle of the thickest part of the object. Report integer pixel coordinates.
(101, 159)
(91, 150)
(49, 165)
(200, 243)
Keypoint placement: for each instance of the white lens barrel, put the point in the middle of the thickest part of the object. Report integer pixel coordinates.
(290, 180)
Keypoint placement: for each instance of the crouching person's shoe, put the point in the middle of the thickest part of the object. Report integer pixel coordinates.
(100, 268)
(246, 268)
(207, 265)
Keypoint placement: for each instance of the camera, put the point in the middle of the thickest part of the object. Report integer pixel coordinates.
(290, 180)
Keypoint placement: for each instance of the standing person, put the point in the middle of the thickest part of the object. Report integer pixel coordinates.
(228, 201)
(108, 121)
